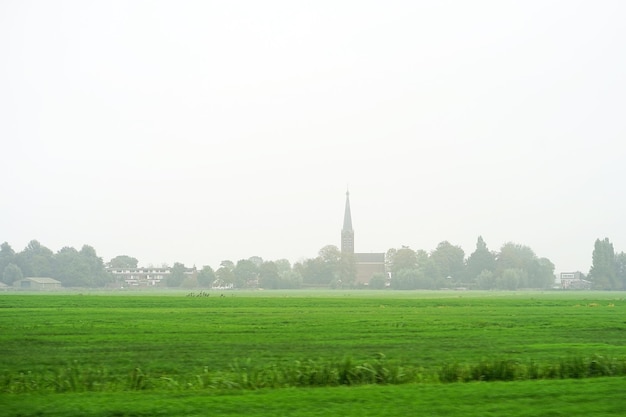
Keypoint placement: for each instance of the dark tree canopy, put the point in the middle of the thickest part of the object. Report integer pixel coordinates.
(448, 261)
(177, 275)
(7, 256)
(206, 276)
(603, 269)
(480, 260)
(246, 273)
(36, 260)
(11, 273)
(123, 261)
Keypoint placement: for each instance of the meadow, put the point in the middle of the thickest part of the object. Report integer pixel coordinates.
(452, 348)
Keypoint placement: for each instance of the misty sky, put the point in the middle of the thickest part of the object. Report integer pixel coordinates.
(199, 131)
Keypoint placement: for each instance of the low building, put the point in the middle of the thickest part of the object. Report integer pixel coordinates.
(144, 277)
(3, 286)
(37, 283)
(139, 277)
(574, 281)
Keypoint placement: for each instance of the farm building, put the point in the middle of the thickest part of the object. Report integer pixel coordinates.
(37, 283)
(3, 286)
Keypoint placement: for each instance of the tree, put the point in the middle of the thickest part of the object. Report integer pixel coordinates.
(330, 255)
(389, 257)
(511, 278)
(347, 269)
(316, 272)
(411, 279)
(268, 276)
(480, 260)
(513, 255)
(72, 269)
(206, 276)
(97, 272)
(603, 269)
(177, 275)
(448, 260)
(227, 264)
(11, 273)
(36, 260)
(324, 270)
(291, 279)
(340, 268)
(283, 266)
(224, 275)
(537, 273)
(256, 260)
(404, 258)
(246, 273)
(378, 282)
(7, 256)
(542, 274)
(288, 277)
(486, 280)
(620, 271)
(123, 261)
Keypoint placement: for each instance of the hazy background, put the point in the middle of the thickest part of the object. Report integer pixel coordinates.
(202, 131)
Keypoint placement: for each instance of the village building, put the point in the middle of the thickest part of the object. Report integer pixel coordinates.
(143, 277)
(574, 281)
(139, 277)
(367, 264)
(37, 283)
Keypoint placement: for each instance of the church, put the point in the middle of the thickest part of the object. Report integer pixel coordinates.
(367, 264)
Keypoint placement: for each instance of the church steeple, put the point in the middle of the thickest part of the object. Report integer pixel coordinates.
(347, 234)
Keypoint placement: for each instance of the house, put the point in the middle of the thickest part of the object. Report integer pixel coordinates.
(37, 283)
(3, 286)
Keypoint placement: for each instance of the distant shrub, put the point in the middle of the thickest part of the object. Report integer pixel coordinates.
(246, 375)
(378, 282)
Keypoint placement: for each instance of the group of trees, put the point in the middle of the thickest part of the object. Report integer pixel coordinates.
(246, 273)
(74, 268)
(608, 269)
(328, 269)
(514, 266)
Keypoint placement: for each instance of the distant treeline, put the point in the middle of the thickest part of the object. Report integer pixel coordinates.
(513, 267)
(74, 268)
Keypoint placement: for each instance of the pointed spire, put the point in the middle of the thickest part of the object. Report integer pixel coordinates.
(347, 216)
(347, 234)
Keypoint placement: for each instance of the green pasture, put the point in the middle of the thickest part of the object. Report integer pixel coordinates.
(64, 347)
(597, 397)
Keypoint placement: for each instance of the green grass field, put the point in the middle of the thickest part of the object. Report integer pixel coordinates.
(312, 353)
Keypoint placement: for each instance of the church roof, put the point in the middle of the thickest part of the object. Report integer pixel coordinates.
(347, 216)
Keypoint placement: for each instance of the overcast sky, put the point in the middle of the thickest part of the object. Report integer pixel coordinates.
(198, 131)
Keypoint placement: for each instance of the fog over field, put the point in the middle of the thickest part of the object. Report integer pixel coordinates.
(201, 131)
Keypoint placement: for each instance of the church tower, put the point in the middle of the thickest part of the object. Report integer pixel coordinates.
(357, 268)
(347, 234)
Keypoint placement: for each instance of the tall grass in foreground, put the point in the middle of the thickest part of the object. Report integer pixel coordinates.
(246, 375)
